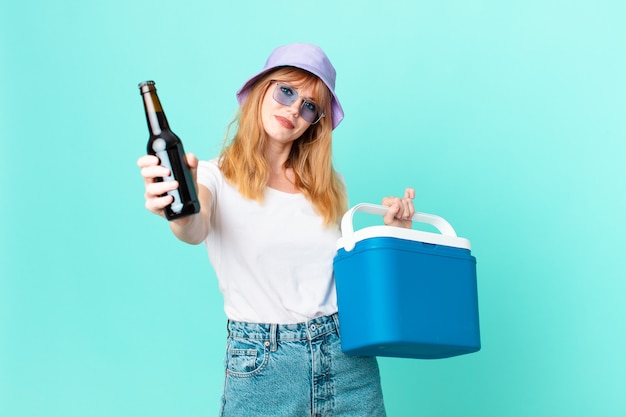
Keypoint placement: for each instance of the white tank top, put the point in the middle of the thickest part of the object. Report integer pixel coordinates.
(273, 260)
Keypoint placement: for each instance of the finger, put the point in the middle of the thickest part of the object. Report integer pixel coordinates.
(407, 203)
(405, 208)
(401, 210)
(389, 201)
(409, 209)
(192, 161)
(147, 160)
(157, 189)
(156, 205)
(391, 214)
(154, 171)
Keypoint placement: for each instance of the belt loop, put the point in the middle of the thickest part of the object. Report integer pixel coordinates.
(273, 334)
(336, 320)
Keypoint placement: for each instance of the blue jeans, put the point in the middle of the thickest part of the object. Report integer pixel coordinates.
(297, 370)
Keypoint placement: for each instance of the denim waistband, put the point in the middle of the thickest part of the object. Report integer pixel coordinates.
(308, 330)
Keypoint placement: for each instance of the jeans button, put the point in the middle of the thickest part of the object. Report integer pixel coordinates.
(313, 327)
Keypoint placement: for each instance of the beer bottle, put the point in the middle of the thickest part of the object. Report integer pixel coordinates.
(167, 146)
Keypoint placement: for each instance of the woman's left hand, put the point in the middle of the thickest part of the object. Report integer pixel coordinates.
(400, 210)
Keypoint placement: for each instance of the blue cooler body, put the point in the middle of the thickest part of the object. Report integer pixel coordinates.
(404, 292)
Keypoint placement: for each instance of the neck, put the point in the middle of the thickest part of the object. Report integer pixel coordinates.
(281, 178)
(276, 157)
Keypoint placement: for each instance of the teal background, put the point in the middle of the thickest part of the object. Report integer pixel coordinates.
(508, 117)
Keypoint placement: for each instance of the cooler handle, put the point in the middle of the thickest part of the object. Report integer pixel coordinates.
(347, 229)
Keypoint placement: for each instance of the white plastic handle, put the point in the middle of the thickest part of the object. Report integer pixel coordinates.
(347, 228)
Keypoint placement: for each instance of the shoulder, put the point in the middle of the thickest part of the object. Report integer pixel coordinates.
(209, 173)
(212, 166)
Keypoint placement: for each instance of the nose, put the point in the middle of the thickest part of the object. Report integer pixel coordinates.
(295, 106)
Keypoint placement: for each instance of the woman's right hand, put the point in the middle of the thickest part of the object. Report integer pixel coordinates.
(155, 191)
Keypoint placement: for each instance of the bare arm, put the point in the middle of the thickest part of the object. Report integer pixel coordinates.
(192, 229)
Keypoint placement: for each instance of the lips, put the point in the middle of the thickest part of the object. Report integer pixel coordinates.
(284, 122)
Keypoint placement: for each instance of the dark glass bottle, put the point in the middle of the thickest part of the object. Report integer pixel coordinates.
(169, 149)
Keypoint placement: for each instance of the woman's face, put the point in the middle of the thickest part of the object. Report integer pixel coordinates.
(284, 123)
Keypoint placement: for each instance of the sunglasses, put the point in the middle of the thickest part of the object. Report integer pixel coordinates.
(285, 94)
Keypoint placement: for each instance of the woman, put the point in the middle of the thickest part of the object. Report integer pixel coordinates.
(270, 211)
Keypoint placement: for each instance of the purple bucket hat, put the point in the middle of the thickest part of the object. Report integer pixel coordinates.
(304, 56)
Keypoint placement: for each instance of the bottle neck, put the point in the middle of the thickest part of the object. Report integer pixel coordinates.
(155, 117)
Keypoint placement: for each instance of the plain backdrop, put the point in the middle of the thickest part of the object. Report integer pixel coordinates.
(508, 117)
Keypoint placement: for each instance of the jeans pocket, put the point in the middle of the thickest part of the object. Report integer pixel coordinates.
(245, 358)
